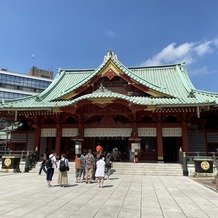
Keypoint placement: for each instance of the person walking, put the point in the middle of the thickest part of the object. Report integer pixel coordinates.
(83, 172)
(63, 166)
(89, 165)
(78, 168)
(108, 165)
(50, 164)
(115, 154)
(100, 171)
(42, 167)
(94, 169)
(99, 150)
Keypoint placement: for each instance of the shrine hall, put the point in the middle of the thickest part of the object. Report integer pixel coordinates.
(148, 111)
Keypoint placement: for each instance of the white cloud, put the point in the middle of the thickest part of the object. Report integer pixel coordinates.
(202, 70)
(111, 34)
(171, 54)
(204, 48)
(187, 52)
(215, 42)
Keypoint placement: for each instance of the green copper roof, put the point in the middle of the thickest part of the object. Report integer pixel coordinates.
(172, 80)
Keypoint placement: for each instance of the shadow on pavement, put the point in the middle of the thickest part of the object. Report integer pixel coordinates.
(68, 186)
(107, 186)
(112, 178)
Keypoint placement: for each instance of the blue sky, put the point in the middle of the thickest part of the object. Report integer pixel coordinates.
(78, 33)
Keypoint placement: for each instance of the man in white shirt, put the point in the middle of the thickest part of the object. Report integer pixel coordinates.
(50, 170)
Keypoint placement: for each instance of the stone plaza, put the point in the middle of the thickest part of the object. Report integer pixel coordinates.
(27, 195)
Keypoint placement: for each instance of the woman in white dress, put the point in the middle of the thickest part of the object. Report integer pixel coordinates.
(100, 171)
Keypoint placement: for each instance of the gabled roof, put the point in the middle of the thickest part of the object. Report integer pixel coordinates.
(171, 82)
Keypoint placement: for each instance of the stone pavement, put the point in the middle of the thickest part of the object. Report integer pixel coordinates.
(27, 195)
(206, 181)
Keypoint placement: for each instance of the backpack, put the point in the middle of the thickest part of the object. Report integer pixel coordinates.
(108, 162)
(48, 163)
(63, 166)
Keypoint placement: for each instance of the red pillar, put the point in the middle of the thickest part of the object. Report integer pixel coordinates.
(135, 138)
(159, 142)
(81, 134)
(37, 137)
(58, 141)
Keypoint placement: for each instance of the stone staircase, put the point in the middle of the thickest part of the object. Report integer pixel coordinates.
(153, 169)
(127, 168)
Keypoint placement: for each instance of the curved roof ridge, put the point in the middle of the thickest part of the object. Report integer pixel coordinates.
(100, 94)
(140, 79)
(56, 80)
(80, 83)
(184, 77)
(104, 93)
(7, 101)
(205, 92)
(135, 100)
(110, 56)
(147, 67)
(78, 70)
(113, 57)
